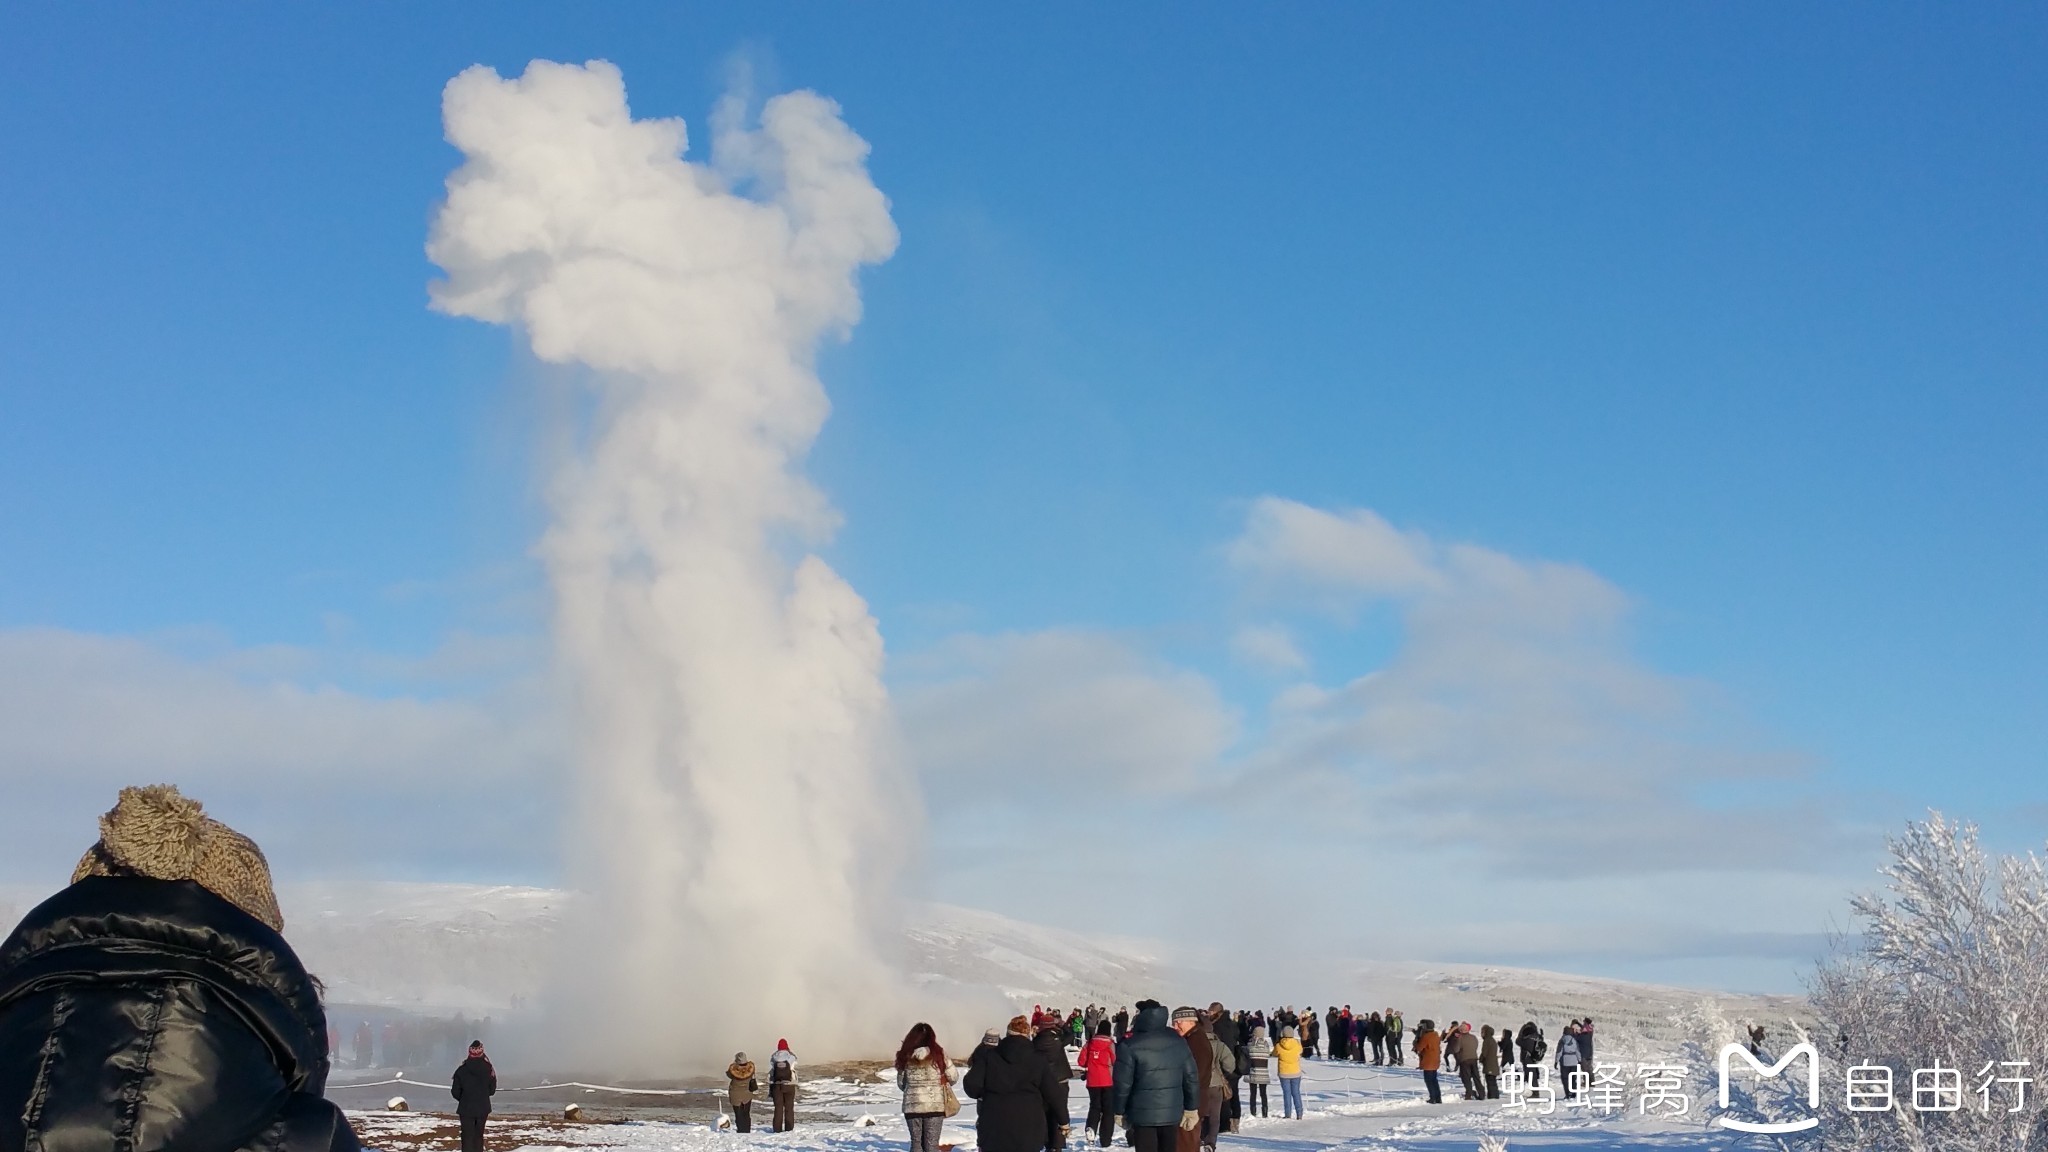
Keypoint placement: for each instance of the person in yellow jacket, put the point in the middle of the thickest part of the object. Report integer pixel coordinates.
(1287, 1054)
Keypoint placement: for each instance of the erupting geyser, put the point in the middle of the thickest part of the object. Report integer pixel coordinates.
(741, 812)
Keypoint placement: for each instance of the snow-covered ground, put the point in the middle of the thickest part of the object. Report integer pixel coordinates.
(1370, 1110)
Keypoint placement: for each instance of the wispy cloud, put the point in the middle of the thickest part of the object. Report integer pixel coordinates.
(326, 777)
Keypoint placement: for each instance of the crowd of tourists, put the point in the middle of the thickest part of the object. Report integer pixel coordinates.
(1176, 1081)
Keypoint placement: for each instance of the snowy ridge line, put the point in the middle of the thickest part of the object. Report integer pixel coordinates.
(546, 1087)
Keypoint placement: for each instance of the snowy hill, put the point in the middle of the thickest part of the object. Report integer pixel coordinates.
(441, 948)
(1030, 963)
(437, 948)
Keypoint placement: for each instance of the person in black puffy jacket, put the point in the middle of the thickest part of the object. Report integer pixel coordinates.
(1016, 1090)
(153, 1005)
(1158, 1087)
(473, 1085)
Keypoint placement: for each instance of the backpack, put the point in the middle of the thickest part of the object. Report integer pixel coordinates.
(778, 1071)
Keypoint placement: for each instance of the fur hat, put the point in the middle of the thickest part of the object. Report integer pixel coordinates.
(1019, 1026)
(157, 833)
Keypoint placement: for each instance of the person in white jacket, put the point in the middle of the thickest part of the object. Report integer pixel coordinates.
(923, 1074)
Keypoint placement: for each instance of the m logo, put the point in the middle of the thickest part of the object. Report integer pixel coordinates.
(1812, 1087)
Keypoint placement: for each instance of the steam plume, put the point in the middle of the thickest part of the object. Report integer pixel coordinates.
(741, 811)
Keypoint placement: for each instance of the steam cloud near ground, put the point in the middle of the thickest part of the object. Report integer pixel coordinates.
(742, 814)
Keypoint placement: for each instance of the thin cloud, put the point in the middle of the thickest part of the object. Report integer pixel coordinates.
(324, 776)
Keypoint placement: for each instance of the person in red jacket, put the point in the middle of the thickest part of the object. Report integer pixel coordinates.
(1098, 1060)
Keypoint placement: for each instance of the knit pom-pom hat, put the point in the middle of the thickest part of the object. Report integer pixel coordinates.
(157, 833)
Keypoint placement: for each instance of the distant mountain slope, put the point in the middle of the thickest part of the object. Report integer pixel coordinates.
(441, 948)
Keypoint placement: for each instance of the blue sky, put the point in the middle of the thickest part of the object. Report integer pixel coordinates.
(1740, 308)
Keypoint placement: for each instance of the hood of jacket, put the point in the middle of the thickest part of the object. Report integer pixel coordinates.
(177, 1019)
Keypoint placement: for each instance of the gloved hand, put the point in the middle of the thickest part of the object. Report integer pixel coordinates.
(1189, 1121)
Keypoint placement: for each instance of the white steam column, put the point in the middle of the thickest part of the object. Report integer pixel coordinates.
(742, 814)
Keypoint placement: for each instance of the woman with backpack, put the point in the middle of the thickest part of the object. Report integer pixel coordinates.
(926, 1082)
(782, 1087)
(1568, 1058)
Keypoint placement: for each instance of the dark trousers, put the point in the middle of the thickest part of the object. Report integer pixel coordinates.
(1394, 1053)
(1436, 1095)
(924, 1132)
(1164, 1138)
(1099, 1119)
(1493, 1085)
(1468, 1076)
(785, 1106)
(473, 1133)
(743, 1117)
(1259, 1105)
(1379, 1049)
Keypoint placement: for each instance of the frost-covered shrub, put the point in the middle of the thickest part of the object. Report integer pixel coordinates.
(1952, 966)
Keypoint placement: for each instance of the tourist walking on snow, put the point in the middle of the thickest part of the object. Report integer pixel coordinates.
(1016, 1091)
(474, 1084)
(782, 1087)
(1287, 1059)
(740, 1086)
(1097, 1064)
(1158, 1088)
(923, 1076)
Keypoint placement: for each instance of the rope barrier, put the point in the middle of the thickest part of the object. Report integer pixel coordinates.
(544, 1087)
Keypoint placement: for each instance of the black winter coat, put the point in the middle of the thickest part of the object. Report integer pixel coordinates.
(153, 1016)
(1156, 1077)
(1016, 1089)
(1052, 1045)
(474, 1084)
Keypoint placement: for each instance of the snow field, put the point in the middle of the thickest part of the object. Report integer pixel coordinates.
(1352, 1108)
